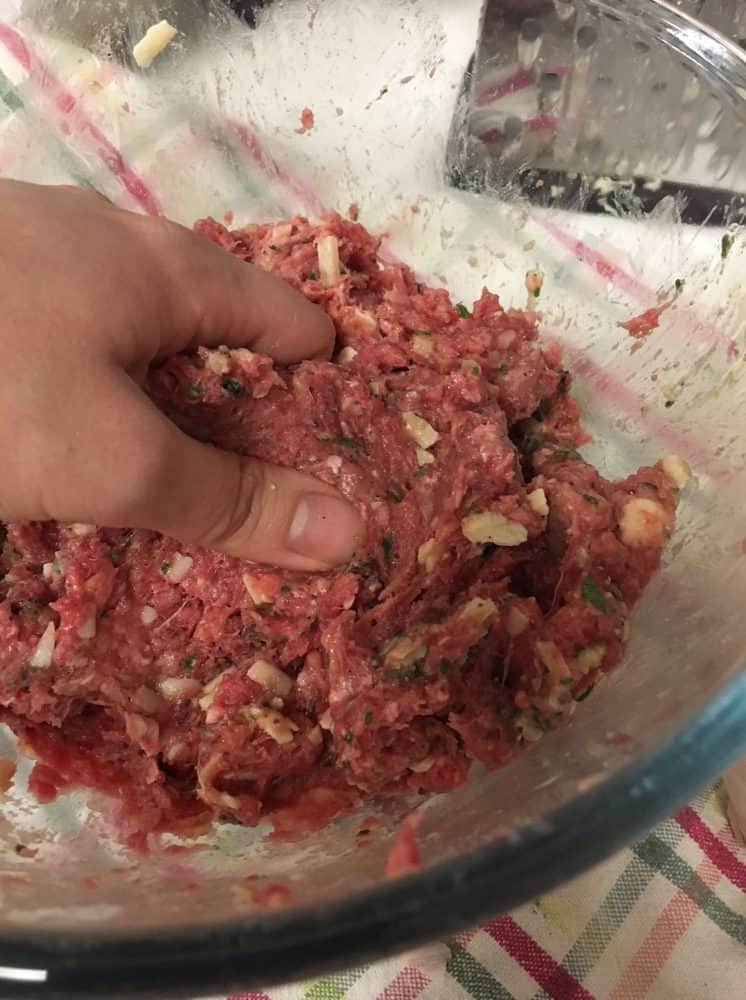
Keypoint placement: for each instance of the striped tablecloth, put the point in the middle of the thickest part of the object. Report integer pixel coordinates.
(663, 919)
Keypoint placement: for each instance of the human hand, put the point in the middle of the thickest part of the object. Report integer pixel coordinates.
(92, 297)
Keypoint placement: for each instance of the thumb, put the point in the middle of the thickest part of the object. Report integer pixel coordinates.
(168, 482)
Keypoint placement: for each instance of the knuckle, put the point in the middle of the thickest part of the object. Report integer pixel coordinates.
(241, 515)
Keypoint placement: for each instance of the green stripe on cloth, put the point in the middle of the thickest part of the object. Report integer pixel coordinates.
(9, 95)
(334, 987)
(13, 101)
(662, 859)
(617, 905)
(472, 976)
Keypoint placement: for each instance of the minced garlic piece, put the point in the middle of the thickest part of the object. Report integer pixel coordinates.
(489, 526)
(429, 554)
(526, 726)
(210, 690)
(424, 457)
(677, 470)
(255, 590)
(270, 677)
(421, 766)
(80, 529)
(422, 344)
(537, 501)
(42, 655)
(327, 248)
(178, 568)
(404, 651)
(218, 361)
(591, 657)
(176, 688)
(553, 660)
(88, 629)
(346, 355)
(325, 720)
(279, 727)
(423, 433)
(504, 340)
(517, 622)
(479, 608)
(153, 42)
(534, 283)
(148, 615)
(642, 522)
(364, 321)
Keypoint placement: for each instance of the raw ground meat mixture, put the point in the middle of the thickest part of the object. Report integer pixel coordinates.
(491, 593)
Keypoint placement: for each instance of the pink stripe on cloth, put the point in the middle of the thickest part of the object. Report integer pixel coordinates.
(250, 996)
(408, 984)
(712, 845)
(636, 289)
(595, 260)
(66, 103)
(672, 923)
(547, 972)
(699, 454)
(249, 141)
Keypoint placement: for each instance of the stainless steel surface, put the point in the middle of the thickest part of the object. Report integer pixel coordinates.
(574, 105)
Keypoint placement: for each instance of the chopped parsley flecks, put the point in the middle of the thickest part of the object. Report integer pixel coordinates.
(343, 442)
(190, 662)
(387, 544)
(593, 594)
(364, 568)
(194, 391)
(726, 245)
(233, 388)
(463, 311)
(562, 454)
(532, 442)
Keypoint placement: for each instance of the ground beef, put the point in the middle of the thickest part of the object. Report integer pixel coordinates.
(491, 592)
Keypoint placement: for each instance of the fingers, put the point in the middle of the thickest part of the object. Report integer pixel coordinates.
(168, 482)
(222, 300)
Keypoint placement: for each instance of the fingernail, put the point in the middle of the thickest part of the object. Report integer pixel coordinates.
(324, 528)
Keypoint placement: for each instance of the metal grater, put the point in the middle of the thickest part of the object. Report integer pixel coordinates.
(572, 103)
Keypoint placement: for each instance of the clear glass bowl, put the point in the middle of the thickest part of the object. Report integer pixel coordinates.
(212, 129)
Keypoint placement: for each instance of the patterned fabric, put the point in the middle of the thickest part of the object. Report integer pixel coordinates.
(665, 918)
